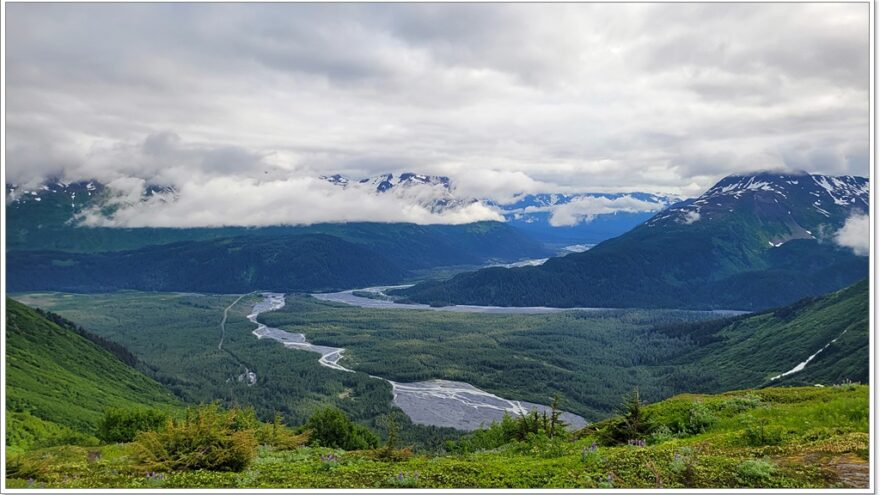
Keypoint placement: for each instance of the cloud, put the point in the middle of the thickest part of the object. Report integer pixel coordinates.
(504, 98)
(584, 209)
(855, 234)
(225, 201)
(690, 217)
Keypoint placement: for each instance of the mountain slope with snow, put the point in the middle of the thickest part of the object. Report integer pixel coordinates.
(749, 242)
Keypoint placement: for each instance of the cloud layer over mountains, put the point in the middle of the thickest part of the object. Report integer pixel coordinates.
(240, 107)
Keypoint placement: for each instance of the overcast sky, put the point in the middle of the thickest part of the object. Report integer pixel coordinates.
(502, 98)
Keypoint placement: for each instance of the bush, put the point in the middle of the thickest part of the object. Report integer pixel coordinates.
(699, 418)
(27, 467)
(330, 427)
(633, 422)
(498, 433)
(122, 425)
(208, 438)
(683, 466)
(279, 436)
(754, 471)
(741, 403)
(660, 434)
(757, 433)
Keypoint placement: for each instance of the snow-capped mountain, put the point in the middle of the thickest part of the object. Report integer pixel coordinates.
(554, 218)
(562, 219)
(788, 206)
(749, 242)
(435, 193)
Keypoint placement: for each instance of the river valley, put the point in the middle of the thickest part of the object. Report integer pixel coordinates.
(432, 402)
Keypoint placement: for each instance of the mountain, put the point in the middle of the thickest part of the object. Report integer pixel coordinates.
(58, 379)
(749, 242)
(435, 193)
(229, 265)
(586, 218)
(555, 219)
(44, 220)
(816, 340)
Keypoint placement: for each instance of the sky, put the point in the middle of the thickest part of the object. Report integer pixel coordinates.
(242, 106)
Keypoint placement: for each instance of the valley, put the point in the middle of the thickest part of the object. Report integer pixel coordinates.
(433, 403)
(269, 320)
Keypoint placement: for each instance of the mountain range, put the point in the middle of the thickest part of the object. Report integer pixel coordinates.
(48, 217)
(555, 219)
(749, 242)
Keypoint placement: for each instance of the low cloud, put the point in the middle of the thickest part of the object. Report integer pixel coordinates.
(690, 217)
(584, 209)
(856, 234)
(227, 201)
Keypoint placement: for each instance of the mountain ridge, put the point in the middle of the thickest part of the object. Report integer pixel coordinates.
(692, 253)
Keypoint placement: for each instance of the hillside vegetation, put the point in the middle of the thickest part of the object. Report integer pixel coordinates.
(773, 438)
(588, 358)
(59, 383)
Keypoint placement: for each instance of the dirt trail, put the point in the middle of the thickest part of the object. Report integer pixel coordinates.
(225, 316)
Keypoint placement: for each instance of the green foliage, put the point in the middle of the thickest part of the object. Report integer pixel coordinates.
(495, 435)
(683, 466)
(123, 424)
(699, 418)
(61, 383)
(207, 438)
(330, 427)
(25, 431)
(588, 358)
(712, 459)
(280, 436)
(758, 432)
(754, 472)
(633, 422)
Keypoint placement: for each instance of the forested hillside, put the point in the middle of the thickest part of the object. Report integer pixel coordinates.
(232, 265)
(59, 382)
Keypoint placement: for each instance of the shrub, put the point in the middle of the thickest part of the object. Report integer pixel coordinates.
(491, 437)
(699, 418)
(683, 466)
(757, 432)
(330, 427)
(754, 471)
(633, 422)
(280, 436)
(24, 466)
(741, 403)
(207, 438)
(660, 434)
(405, 480)
(122, 425)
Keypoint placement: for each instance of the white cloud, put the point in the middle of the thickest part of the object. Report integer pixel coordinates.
(503, 98)
(855, 234)
(690, 217)
(585, 208)
(225, 201)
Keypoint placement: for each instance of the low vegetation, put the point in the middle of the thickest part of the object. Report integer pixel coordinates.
(806, 437)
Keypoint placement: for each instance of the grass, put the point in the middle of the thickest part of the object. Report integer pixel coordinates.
(824, 443)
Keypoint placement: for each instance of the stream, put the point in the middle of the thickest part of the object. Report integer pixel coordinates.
(433, 402)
